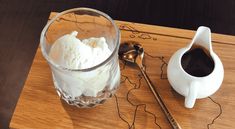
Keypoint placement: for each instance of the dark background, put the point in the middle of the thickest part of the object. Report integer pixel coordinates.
(21, 22)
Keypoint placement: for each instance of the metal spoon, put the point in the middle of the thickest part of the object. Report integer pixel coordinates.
(133, 52)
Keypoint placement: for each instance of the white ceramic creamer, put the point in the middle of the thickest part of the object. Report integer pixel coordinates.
(190, 86)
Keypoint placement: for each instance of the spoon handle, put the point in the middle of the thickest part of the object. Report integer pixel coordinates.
(157, 96)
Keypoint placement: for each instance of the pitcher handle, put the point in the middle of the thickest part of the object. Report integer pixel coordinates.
(192, 95)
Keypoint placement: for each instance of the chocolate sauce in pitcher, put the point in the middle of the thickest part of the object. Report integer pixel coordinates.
(197, 61)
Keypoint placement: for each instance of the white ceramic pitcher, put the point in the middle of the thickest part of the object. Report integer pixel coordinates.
(193, 87)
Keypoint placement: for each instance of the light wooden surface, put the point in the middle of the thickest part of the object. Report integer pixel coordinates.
(40, 107)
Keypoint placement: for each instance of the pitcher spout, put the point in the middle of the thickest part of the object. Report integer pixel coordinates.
(202, 38)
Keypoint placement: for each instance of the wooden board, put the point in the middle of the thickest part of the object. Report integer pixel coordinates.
(40, 107)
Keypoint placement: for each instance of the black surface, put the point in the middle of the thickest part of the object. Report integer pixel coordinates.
(21, 22)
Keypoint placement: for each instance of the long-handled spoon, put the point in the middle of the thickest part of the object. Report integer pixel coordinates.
(133, 52)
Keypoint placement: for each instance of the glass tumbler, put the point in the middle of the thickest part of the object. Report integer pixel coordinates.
(79, 86)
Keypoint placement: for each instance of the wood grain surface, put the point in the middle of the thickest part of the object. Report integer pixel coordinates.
(40, 107)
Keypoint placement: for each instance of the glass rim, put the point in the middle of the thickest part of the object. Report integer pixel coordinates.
(46, 56)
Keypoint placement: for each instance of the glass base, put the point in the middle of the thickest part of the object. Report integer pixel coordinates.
(86, 101)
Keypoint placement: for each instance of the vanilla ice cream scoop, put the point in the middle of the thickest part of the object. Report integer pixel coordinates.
(68, 51)
(72, 53)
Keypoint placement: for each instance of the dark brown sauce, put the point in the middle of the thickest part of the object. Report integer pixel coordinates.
(197, 62)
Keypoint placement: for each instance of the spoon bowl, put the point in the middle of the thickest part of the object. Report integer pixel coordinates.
(129, 51)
